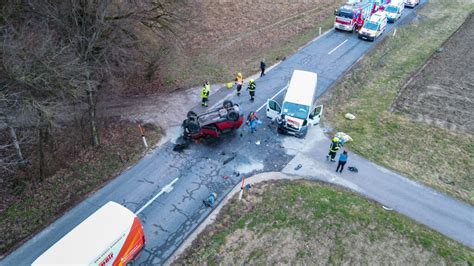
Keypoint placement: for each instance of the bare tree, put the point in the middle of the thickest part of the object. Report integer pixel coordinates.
(103, 37)
(37, 78)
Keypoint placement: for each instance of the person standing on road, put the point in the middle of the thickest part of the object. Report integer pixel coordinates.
(251, 88)
(333, 148)
(342, 161)
(206, 89)
(239, 81)
(252, 121)
(262, 67)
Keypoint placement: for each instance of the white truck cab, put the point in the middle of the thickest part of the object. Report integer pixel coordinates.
(374, 27)
(297, 111)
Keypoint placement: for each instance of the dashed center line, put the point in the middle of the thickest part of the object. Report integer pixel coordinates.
(165, 189)
(332, 51)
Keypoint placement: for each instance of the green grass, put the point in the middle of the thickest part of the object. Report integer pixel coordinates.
(437, 157)
(317, 213)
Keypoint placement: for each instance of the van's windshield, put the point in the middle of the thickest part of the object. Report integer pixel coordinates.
(391, 9)
(295, 110)
(345, 13)
(371, 26)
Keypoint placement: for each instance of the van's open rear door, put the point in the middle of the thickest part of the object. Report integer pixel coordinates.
(273, 109)
(315, 115)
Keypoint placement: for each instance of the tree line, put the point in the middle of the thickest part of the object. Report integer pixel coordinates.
(56, 57)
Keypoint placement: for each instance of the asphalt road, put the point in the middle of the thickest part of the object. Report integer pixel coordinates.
(170, 217)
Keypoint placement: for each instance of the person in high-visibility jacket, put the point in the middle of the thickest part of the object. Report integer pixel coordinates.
(239, 81)
(206, 89)
(251, 88)
(333, 148)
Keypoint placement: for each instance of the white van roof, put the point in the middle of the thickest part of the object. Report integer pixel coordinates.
(302, 87)
(377, 16)
(94, 236)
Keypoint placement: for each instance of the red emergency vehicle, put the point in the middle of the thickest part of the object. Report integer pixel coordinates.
(351, 17)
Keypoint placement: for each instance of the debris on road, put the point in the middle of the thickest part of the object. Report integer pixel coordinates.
(387, 208)
(298, 167)
(258, 142)
(229, 159)
(226, 177)
(209, 202)
(353, 169)
(236, 173)
(349, 116)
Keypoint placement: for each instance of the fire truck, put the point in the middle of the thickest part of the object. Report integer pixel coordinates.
(352, 16)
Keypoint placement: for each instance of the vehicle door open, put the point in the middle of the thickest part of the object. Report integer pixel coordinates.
(315, 115)
(273, 109)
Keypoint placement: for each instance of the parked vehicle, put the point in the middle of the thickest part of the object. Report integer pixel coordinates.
(411, 3)
(297, 111)
(351, 17)
(378, 5)
(374, 26)
(394, 11)
(113, 235)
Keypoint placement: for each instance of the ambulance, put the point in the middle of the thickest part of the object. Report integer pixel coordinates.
(374, 26)
(112, 235)
(297, 111)
(394, 11)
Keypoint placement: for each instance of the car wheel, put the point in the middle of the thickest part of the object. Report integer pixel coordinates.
(227, 104)
(192, 126)
(191, 114)
(233, 116)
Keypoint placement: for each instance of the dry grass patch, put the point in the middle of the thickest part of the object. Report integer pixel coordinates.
(303, 222)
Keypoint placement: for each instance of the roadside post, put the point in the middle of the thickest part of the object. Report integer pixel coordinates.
(142, 133)
(242, 188)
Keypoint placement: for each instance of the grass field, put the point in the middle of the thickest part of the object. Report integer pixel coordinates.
(235, 36)
(303, 222)
(437, 157)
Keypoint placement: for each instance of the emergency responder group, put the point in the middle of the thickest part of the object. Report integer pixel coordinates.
(239, 82)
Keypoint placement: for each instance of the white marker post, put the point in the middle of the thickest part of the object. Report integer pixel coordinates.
(319, 30)
(242, 188)
(142, 132)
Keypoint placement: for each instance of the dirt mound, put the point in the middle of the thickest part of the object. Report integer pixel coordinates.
(442, 92)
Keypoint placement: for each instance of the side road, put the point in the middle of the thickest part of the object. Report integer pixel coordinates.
(442, 213)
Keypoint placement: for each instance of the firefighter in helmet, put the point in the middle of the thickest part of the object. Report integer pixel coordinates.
(333, 148)
(251, 88)
(206, 89)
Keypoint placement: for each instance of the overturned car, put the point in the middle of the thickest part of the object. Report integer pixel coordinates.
(211, 124)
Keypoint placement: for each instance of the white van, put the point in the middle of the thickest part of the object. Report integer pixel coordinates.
(394, 10)
(374, 27)
(297, 111)
(112, 235)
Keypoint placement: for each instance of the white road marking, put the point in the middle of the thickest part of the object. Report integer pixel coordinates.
(332, 51)
(165, 189)
(273, 97)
